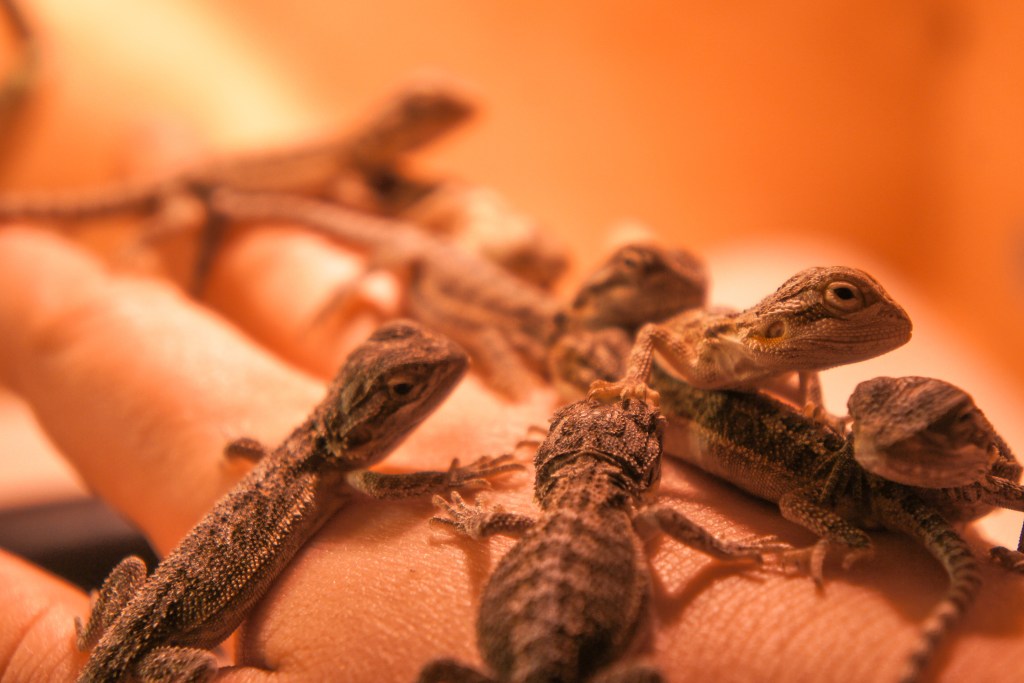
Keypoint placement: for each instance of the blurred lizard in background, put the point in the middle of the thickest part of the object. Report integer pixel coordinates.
(506, 324)
(416, 116)
(640, 283)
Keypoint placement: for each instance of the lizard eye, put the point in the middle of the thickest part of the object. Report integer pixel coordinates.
(631, 260)
(775, 330)
(402, 387)
(844, 297)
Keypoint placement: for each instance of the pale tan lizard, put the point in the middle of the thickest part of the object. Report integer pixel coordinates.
(159, 628)
(819, 318)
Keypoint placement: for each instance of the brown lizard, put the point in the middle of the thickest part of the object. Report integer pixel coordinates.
(161, 626)
(770, 450)
(414, 117)
(510, 327)
(930, 435)
(638, 284)
(503, 322)
(481, 220)
(819, 318)
(567, 600)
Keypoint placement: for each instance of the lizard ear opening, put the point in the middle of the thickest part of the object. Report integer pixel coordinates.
(844, 296)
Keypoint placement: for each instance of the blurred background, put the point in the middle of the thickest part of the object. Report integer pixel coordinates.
(870, 131)
(891, 129)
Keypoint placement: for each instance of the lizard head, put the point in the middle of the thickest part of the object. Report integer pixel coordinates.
(826, 316)
(388, 385)
(640, 283)
(616, 444)
(418, 114)
(924, 432)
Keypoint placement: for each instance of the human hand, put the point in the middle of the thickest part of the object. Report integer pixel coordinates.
(141, 388)
(376, 594)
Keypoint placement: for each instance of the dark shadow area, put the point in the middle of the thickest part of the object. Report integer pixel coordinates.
(80, 540)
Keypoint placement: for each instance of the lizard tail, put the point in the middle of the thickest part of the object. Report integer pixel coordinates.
(942, 541)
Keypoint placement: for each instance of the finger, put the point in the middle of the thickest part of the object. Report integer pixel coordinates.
(273, 281)
(138, 386)
(37, 632)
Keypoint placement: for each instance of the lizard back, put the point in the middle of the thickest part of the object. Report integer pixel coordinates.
(567, 599)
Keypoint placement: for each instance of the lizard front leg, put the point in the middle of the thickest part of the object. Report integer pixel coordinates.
(245, 448)
(390, 486)
(478, 521)
(177, 665)
(799, 506)
(683, 529)
(1006, 494)
(651, 337)
(120, 586)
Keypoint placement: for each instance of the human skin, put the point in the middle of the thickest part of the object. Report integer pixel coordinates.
(140, 388)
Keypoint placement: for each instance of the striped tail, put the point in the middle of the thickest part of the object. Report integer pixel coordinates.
(934, 533)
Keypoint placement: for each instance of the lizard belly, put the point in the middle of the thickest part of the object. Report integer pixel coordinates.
(750, 471)
(566, 599)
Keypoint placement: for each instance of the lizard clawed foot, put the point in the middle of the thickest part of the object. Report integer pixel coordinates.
(808, 561)
(610, 392)
(760, 547)
(811, 559)
(476, 473)
(462, 518)
(1012, 560)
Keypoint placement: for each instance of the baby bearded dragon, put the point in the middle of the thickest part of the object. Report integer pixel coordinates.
(640, 283)
(566, 601)
(818, 319)
(770, 450)
(417, 115)
(503, 322)
(414, 117)
(160, 627)
(929, 434)
(479, 219)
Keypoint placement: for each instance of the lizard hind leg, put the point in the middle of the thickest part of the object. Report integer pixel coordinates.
(245, 449)
(630, 673)
(450, 671)
(832, 530)
(117, 590)
(177, 665)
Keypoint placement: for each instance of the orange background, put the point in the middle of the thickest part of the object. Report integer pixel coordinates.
(892, 129)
